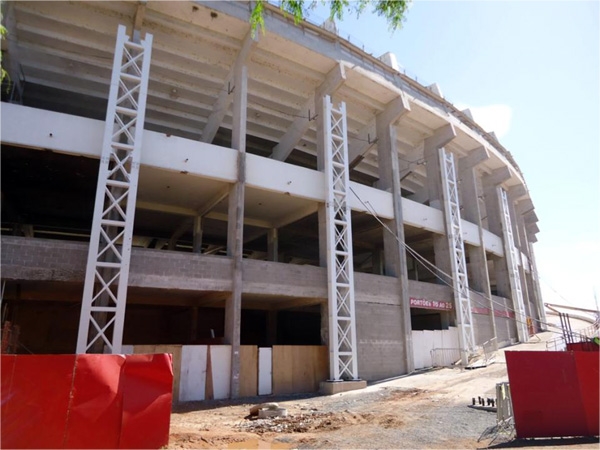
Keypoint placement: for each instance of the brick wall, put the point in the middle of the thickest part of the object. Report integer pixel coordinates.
(380, 341)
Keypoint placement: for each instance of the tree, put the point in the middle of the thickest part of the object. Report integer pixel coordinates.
(3, 32)
(393, 10)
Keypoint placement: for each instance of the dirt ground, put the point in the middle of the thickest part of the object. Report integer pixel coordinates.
(426, 410)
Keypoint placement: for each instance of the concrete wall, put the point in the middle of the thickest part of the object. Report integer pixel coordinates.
(380, 341)
(55, 260)
(378, 318)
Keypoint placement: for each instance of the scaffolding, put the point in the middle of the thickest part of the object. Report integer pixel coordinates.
(107, 272)
(340, 267)
(512, 260)
(460, 281)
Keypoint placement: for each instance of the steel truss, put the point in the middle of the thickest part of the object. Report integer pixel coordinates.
(460, 282)
(107, 273)
(340, 267)
(512, 256)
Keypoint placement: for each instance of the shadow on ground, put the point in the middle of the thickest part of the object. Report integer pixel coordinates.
(551, 442)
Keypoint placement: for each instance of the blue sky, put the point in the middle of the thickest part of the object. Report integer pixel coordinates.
(530, 72)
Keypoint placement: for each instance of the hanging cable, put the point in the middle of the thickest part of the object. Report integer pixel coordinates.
(426, 263)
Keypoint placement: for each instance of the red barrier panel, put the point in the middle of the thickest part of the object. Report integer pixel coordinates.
(588, 373)
(552, 393)
(86, 401)
(583, 347)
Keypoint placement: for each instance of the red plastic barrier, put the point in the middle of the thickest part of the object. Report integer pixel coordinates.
(554, 394)
(86, 401)
(583, 347)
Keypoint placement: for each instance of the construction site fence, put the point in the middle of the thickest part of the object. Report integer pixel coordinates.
(559, 343)
(445, 357)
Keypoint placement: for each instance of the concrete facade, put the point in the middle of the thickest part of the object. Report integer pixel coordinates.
(228, 242)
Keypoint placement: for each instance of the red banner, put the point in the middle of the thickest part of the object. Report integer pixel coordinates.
(429, 304)
(86, 401)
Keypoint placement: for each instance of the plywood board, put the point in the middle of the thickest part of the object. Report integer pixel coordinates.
(248, 370)
(299, 368)
(265, 371)
(193, 373)
(220, 356)
(282, 370)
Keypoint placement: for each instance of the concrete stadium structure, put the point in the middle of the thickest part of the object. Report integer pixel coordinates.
(287, 188)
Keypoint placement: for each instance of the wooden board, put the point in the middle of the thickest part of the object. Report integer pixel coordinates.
(265, 371)
(299, 368)
(220, 357)
(248, 370)
(193, 373)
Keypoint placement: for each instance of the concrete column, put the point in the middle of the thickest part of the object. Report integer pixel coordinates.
(322, 213)
(537, 289)
(393, 245)
(235, 228)
(197, 234)
(378, 262)
(432, 144)
(478, 267)
(519, 244)
(273, 244)
(535, 303)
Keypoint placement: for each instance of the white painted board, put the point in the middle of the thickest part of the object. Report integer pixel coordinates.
(192, 384)
(265, 371)
(220, 358)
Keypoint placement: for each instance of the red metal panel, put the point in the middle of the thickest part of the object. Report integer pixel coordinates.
(86, 401)
(583, 347)
(95, 413)
(546, 395)
(147, 381)
(37, 401)
(6, 375)
(588, 372)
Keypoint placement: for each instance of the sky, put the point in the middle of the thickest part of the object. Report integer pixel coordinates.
(530, 72)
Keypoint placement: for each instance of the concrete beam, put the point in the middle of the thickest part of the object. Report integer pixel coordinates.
(392, 112)
(138, 20)
(524, 206)
(498, 176)
(206, 208)
(473, 159)
(517, 192)
(439, 138)
(530, 217)
(225, 98)
(170, 209)
(334, 79)
(295, 216)
(431, 146)
(532, 228)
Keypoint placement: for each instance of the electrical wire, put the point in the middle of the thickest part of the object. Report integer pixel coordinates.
(436, 270)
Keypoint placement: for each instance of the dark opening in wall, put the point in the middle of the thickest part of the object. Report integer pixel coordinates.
(298, 328)
(429, 321)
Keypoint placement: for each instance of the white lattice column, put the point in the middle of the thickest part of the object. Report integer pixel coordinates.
(538, 292)
(107, 272)
(340, 266)
(460, 282)
(512, 260)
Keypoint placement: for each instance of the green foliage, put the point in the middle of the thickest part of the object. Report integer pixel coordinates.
(394, 11)
(3, 34)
